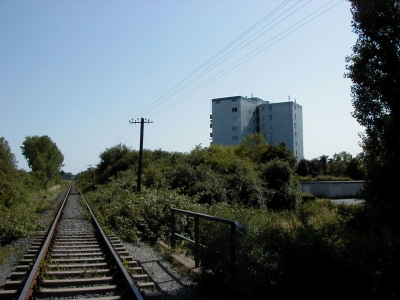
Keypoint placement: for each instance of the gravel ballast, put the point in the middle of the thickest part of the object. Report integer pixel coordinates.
(172, 284)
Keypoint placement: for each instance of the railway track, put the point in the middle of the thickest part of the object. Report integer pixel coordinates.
(75, 259)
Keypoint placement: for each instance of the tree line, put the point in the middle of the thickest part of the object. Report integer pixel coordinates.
(340, 166)
(24, 195)
(253, 173)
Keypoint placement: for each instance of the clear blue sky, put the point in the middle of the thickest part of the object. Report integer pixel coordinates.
(78, 71)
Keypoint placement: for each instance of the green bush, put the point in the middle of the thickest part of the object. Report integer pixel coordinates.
(233, 174)
(287, 249)
(23, 215)
(283, 253)
(17, 222)
(323, 178)
(131, 216)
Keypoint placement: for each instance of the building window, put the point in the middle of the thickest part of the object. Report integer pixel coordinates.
(211, 134)
(234, 109)
(234, 138)
(270, 117)
(295, 116)
(216, 102)
(295, 134)
(294, 107)
(295, 143)
(233, 100)
(263, 125)
(294, 125)
(270, 108)
(210, 125)
(234, 127)
(249, 111)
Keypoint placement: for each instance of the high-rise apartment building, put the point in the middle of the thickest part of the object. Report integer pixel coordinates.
(234, 118)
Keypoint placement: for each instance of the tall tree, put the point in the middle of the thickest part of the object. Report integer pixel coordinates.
(8, 163)
(374, 68)
(337, 165)
(8, 170)
(43, 157)
(115, 159)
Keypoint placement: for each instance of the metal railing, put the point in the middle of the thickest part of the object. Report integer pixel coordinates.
(233, 225)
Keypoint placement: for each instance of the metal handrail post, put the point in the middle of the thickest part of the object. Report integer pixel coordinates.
(233, 225)
(196, 242)
(173, 230)
(233, 248)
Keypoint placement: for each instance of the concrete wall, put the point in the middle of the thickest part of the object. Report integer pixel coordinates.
(332, 189)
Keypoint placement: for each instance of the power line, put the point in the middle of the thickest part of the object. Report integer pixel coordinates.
(214, 57)
(159, 110)
(221, 60)
(243, 60)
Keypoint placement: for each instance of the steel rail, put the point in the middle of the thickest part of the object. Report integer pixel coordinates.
(132, 287)
(31, 281)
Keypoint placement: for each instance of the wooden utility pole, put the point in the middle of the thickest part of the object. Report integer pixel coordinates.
(142, 121)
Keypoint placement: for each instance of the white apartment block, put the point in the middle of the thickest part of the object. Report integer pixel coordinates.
(233, 118)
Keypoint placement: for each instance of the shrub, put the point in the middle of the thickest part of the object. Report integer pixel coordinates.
(281, 184)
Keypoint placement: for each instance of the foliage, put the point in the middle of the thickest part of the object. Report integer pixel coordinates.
(113, 160)
(232, 174)
(86, 179)
(43, 157)
(136, 217)
(374, 68)
(281, 187)
(280, 253)
(287, 247)
(309, 167)
(323, 178)
(355, 168)
(8, 162)
(337, 165)
(342, 164)
(286, 254)
(22, 203)
(21, 198)
(254, 147)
